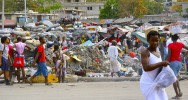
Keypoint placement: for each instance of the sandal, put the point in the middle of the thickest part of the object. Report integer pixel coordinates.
(29, 81)
(48, 84)
(176, 97)
(180, 94)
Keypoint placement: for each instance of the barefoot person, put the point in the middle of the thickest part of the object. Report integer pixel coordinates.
(174, 50)
(152, 63)
(40, 59)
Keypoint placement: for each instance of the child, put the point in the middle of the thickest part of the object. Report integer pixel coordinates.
(19, 57)
(4, 57)
(59, 60)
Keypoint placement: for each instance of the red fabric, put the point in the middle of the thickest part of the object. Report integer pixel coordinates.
(64, 48)
(132, 54)
(42, 57)
(18, 62)
(175, 48)
(10, 52)
(118, 40)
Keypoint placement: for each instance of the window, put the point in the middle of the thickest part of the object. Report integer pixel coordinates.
(77, 0)
(8, 17)
(100, 7)
(68, 0)
(76, 8)
(89, 8)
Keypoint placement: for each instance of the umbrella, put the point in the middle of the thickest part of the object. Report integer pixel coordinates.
(141, 36)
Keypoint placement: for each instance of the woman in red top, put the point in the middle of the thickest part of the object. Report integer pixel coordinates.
(174, 50)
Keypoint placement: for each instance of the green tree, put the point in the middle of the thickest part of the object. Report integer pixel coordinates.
(42, 6)
(186, 10)
(110, 10)
(140, 9)
(134, 8)
(127, 7)
(154, 7)
(177, 8)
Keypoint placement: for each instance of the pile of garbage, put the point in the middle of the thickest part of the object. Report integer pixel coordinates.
(89, 59)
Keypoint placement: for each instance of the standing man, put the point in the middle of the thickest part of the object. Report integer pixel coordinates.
(40, 59)
(129, 44)
(174, 50)
(4, 57)
(113, 55)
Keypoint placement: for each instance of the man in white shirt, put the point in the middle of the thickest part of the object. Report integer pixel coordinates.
(113, 55)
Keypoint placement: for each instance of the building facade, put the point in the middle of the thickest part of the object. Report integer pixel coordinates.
(82, 8)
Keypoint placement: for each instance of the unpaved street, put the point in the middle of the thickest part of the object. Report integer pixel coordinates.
(80, 91)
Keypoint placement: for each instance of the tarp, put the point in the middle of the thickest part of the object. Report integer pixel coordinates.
(128, 28)
(123, 20)
(141, 36)
(123, 30)
(87, 43)
(103, 30)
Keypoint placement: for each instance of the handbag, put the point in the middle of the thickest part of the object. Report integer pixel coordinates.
(18, 62)
(165, 78)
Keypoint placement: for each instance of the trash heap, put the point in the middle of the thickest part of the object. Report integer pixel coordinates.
(90, 59)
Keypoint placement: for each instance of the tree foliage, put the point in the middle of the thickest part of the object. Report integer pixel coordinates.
(177, 8)
(127, 7)
(136, 8)
(110, 10)
(154, 7)
(140, 9)
(42, 6)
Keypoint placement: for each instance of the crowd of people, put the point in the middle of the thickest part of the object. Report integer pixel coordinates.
(12, 60)
(158, 55)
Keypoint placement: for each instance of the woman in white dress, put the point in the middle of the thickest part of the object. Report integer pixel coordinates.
(152, 65)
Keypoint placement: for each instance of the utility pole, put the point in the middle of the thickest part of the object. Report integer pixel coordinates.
(3, 15)
(25, 5)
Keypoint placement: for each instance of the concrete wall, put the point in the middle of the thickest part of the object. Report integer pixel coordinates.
(162, 18)
(84, 6)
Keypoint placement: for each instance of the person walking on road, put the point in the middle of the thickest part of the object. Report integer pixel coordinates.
(174, 50)
(152, 64)
(113, 55)
(40, 59)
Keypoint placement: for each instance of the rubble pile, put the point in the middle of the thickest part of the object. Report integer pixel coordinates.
(91, 59)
